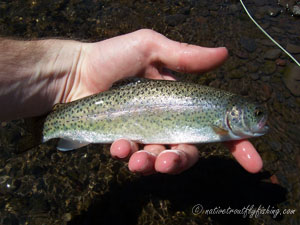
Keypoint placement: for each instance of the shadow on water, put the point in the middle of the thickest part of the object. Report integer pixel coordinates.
(214, 182)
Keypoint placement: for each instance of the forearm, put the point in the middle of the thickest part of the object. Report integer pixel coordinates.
(34, 75)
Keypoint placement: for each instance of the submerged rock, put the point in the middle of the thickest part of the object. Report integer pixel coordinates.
(269, 67)
(286, 3)
(236, 74)
(267, 92)
(291, 79)
(260, 2)
(294, 49)
(296, 10)
(273, 11)
(272, 54)
(254, 76)
(252, 67)
(280, 62)
(248, 44)
(233, 8)
(173, 20)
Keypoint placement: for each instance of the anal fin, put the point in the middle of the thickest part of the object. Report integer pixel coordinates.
(67, 145)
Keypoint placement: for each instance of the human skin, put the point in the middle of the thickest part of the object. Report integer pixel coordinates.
(35, 75)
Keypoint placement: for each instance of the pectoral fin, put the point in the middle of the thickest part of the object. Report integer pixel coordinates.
(220, 131)
(58, 105)
(67, 145)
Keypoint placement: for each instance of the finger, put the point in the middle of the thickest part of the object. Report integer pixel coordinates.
(142, 162)
(155, 149)
(245, 153)
(159, 74)
(123, 149)
(176, 160)
(186, 58)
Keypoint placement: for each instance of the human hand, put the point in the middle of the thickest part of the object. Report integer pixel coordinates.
(35, 75)
(147, 53)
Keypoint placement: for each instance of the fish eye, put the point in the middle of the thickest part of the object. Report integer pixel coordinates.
(258, 113)
(234, 112)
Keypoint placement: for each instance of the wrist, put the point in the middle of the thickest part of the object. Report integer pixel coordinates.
(35, 75)
(58, 67)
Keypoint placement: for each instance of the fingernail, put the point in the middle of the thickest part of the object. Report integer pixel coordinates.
(178, 152)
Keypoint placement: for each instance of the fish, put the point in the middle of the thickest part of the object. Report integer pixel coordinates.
(155, 112)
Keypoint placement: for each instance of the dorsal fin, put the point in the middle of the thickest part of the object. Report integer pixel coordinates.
(128, 81)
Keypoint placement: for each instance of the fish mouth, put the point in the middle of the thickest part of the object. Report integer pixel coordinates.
(261, 128)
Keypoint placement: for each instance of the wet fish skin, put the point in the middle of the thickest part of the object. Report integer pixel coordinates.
(155, 111)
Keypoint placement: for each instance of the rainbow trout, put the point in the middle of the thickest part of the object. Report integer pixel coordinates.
(155, 111)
